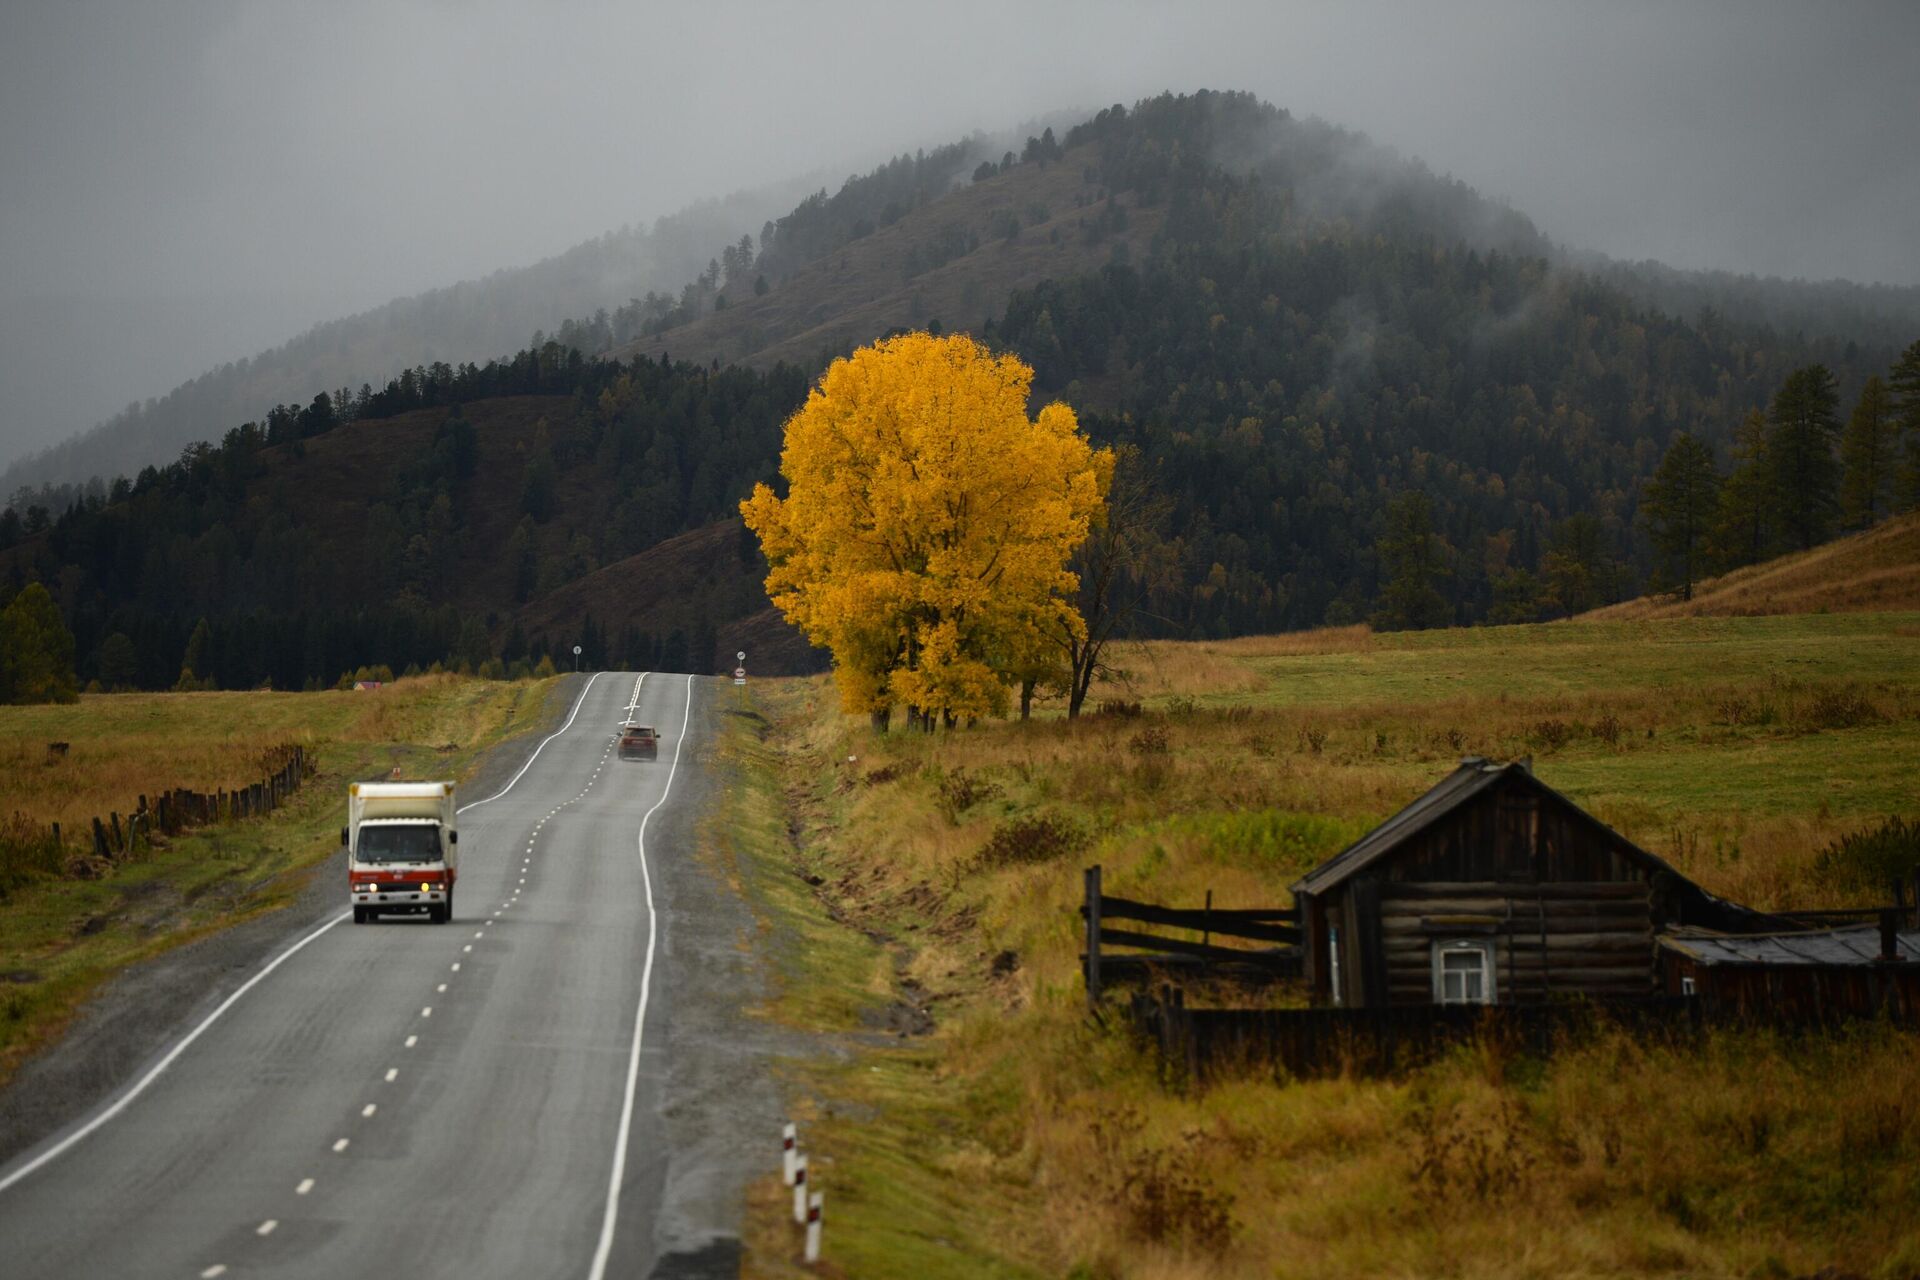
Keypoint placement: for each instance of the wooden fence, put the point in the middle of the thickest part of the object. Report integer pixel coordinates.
(171, 812)
(1156, 954)
(1197, 1045)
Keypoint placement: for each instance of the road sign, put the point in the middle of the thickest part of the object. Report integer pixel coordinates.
(739, 675)
(740, 656)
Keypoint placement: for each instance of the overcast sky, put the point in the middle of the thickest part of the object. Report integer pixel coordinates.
(187, 181)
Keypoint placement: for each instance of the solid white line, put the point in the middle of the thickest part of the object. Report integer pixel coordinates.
(577, 704)
(600, 1255)
(306, 1185)
(140, 1086)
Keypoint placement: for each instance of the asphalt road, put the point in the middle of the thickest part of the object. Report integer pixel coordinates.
(483, 1098)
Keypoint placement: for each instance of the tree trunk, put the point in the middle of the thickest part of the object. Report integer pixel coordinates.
(881, 717)
(1026, 699)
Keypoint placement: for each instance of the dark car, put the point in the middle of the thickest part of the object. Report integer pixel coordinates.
(639, 742)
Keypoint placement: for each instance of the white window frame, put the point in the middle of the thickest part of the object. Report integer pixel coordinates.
(1483, 947)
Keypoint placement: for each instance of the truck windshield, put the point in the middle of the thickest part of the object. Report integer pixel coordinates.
(399, 844)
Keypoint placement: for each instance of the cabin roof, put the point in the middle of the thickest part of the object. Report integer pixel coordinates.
(1473, 778)
(1848, 945)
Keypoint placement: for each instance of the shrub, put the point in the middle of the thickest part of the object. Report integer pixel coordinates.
(1550, 735)
(1869, 861)
(1150, 741)
(960, 791)
(27, 852)
(1607, 728)
(1119, 708)
(1312, 741)
(884, 774)
(1031, 840)
(1842, 708)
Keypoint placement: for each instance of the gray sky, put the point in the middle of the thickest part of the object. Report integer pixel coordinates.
(187, 182)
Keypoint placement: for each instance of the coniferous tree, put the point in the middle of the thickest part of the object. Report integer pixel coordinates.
(1581, 573)
(1903, 386)
(1802, 425)
(1866, 458)
(1680, 504)
(1411, 562)
(1743, 528)
(36, 650)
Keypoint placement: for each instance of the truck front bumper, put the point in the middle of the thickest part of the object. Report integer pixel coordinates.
(398, 900)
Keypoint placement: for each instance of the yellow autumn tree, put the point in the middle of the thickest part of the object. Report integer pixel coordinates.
(928, 524)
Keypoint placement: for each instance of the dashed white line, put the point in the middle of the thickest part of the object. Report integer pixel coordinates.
(456, 966)
(469, 946)
(426, 1011)
(341, 1145)
(391, 1073)
(412, 1040)
(367, 1111)
(213, 1272)
(266, 1228)
(441, 987)
(306, 1185)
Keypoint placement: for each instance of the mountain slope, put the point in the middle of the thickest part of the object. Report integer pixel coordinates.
(475, 320)
(1874, 571)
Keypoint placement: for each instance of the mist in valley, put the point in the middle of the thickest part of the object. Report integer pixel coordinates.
(192, 187)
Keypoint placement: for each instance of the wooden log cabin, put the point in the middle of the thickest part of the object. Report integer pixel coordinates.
(1494, 888)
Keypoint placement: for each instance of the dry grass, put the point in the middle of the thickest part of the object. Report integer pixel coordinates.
(1874, 571)
(121, 746)
(1034, 1143)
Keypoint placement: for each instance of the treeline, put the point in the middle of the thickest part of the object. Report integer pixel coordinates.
(209, 572)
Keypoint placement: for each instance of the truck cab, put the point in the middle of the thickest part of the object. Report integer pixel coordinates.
(402, 849)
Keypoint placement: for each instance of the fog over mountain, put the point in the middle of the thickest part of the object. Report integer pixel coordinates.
(191, 184)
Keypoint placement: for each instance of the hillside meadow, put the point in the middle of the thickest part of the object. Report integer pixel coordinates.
(63, 933)
(974, 1121)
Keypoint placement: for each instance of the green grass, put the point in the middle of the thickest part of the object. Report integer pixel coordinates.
(1020, 1138)
(60, 938)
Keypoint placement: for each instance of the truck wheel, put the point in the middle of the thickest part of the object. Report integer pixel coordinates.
(359, 915)
(436, 915)
(448, 913)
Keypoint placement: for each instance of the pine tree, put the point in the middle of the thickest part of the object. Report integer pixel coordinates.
(1743, 529)
(1866, 458)
(1411, 561)
(1680, 503)
(1903, 385)
(1803, 422)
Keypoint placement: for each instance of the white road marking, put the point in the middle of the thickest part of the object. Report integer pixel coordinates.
(367, 1111)
(141, 1085)
(456, 966)
(340, 1145)
(391, 1073)
(441, 987)
(469, 946)
(306, 1185)
(481, 934)
(212, 1272)
(426, 1011)
(600, 1255)
(266, 1228)
(412, 1040)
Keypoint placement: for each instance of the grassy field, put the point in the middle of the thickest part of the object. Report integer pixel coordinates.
(1018, 1138)
(61, 937)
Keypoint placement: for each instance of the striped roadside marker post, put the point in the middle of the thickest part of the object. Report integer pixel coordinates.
(789, 1149)
(800, 1190)
(814, 1202)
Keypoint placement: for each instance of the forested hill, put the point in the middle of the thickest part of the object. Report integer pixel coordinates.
(1365, 392)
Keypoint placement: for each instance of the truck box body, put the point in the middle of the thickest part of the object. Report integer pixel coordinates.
(402, 848)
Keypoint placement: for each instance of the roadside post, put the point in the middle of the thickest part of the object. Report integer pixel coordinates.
(576, 657)
(740, 672)
(800, 1190)
(814, 1202)
(789, 1152)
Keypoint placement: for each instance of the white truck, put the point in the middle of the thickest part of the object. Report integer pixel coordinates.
(402, 849)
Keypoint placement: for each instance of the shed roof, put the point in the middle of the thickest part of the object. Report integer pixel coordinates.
(1475, 777)
(1849, 945)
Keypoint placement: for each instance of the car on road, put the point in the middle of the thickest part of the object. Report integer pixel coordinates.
(639, 742)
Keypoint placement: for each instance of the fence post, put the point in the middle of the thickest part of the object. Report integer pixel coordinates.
(814, 1203)
(1093, 938)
